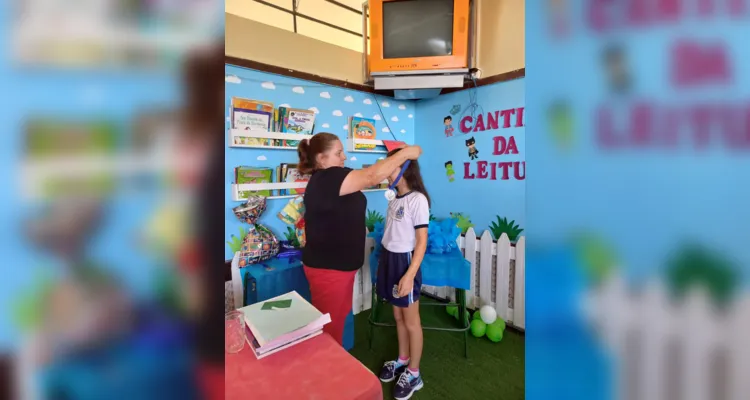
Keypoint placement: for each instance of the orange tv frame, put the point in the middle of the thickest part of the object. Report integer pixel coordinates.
(459, 58)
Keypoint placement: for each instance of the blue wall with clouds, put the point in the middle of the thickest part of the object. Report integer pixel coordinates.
(481, 199)
(333, 106)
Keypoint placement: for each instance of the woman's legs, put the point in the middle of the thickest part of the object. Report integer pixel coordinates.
(413, 326)
(332, 292)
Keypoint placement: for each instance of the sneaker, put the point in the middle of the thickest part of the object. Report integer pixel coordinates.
(406, 386)
(390, 370)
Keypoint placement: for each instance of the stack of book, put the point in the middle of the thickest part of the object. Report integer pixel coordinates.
(281, 322)
(258, 115)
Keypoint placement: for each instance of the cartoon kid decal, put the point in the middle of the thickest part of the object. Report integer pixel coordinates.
(472, 148)
(449, 171)
(448, 127)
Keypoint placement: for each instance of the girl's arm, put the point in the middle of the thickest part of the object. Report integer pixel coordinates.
(419, 249)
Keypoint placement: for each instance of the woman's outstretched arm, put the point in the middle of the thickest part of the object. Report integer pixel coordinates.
(360, 179)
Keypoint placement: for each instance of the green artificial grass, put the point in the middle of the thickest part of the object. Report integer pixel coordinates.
(492, 370)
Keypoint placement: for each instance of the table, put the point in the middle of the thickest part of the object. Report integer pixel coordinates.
(316, 369)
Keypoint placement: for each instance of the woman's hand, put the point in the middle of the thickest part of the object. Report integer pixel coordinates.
(405, 285)
(412, 152)
(361, 179)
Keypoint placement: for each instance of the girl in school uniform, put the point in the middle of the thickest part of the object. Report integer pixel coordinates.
(399, 278)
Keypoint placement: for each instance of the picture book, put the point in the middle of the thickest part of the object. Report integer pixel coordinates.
(48, 137)
(293, 175)
(248, 114)
(276, 325)
(250, 120)
(298, 121)
(362, 128)
(248, 104)
(244, 174)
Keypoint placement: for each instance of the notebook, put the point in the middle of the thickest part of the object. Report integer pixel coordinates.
(279, 324)
(260, 352)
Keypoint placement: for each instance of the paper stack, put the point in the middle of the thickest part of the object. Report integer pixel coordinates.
(281, 322)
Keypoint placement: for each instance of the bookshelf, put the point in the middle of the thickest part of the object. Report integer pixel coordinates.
(351, 143)
(236, 189)
(264, 134)
(36, 173)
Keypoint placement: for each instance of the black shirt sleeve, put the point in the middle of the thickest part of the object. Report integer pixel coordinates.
(330, 181)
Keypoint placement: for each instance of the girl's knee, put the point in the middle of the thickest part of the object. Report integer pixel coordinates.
(398, 315)
(413, 323)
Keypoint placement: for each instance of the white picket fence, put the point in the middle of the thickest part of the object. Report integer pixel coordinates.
(664, 349)
(497, 278)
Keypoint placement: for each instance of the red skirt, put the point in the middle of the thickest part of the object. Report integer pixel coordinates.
(332, 292)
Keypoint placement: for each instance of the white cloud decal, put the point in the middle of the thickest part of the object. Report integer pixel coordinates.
(367, 101)
(401, 107)
(325, 95)
(386, 104)
(394, 118)
(358, 115)
(337, 113)
(353, 159)
(385, 129)
(314, 109)
(298, 89)
(268, 85)
(376, 117)
(285, 105)
(411, 115)
(403, 130)
(349, 99)
(261, 158)
(232, 79)
(325, 126)
(346, 127)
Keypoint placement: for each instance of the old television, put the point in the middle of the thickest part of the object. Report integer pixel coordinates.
(408, 36)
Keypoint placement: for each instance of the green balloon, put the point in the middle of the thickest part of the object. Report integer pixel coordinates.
(452, 310)
(500, 323)
(477, 315)
(494, 332)
(478, 328)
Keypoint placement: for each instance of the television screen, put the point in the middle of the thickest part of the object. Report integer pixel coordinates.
(417, 28)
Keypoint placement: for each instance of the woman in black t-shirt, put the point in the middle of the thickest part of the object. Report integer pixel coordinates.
(335, 229)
